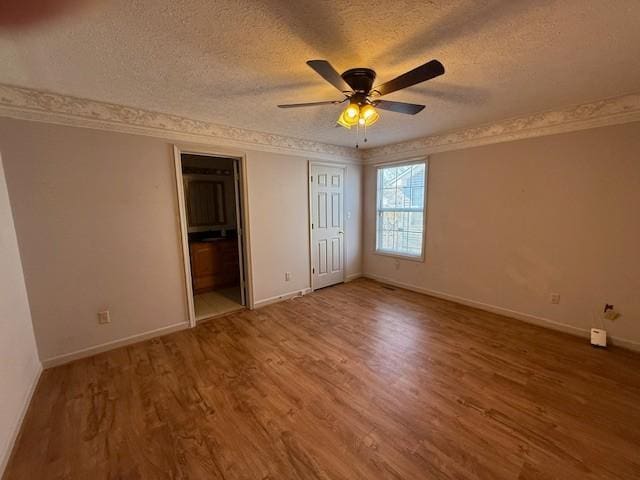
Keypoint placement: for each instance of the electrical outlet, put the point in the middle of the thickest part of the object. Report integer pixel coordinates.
(287, 276)
(104, 317)
(555, 298)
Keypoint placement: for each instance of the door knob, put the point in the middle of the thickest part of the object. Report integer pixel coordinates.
(340, 232)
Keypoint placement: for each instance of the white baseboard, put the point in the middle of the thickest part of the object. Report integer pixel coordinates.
(281, 298)
(525, 317)
(103, 347)
(621, 342)
(4, 461)
(352, 277)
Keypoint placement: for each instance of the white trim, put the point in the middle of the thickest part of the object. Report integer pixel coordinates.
(37, 105)
(401, 256)
(381, 163)
(541, 321)
(353, 276)
(525, 317)
(104, 347)
(610, 111)
(425, 191)
(344, 217)
(15, 435)
(184, 239)
(282, 297)
(40, 106)
(621, 342)
(235, 155)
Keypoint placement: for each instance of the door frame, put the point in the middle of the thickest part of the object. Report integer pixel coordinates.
(241, 157)
(343, 166)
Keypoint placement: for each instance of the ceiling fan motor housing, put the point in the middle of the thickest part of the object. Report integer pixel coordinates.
(360, 79)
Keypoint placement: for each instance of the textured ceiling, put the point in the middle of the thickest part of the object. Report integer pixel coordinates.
(233, 61)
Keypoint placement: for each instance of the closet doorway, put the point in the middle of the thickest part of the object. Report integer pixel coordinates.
(210, 197)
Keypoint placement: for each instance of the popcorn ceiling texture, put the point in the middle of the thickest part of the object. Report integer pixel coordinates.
(231, 62)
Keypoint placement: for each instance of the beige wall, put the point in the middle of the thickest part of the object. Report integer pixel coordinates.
(19, 364)
(96, 218)
(279, 219)
(509, 224)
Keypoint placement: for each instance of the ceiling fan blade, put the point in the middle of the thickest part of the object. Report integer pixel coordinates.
(399, 107)
(419, 74)
(326, 71)
(310, 104)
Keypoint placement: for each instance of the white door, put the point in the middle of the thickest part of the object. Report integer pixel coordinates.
(327, 225)
(240, 230)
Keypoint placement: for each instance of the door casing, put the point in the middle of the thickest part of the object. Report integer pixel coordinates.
(241, 158)
(344, 217)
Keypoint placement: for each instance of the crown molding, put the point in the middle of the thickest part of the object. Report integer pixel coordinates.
(36, 105)
(612, 111)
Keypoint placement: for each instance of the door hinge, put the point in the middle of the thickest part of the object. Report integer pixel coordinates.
(311, 178)
(313, 270)
(312, 227)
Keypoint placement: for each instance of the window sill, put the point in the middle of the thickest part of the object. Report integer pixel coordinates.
(399, 256)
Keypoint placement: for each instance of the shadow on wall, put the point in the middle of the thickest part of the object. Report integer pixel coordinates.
(22, 13)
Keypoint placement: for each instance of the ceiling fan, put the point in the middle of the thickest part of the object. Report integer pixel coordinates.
(356, 85)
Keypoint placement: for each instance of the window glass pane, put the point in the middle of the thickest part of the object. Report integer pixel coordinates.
(415, 221)
(417, 197)
(402, 219)
(417, 175)
(414, 242)
(388, 198)
(404, 177)
(400, 241)
(388, 220)
(387, 240)
(401, 197)
(388, 177)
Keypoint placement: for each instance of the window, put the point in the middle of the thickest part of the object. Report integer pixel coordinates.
(400, 202)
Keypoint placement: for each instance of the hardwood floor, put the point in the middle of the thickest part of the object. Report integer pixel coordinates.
(357, 381)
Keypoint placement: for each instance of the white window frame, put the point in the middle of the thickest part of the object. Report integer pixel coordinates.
(390, 253)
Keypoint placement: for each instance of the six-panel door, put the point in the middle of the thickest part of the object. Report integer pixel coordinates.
(327, 225)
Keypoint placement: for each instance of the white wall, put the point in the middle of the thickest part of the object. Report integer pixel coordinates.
(353, 221)
(97, 224)
(19, 364)
(511, 223)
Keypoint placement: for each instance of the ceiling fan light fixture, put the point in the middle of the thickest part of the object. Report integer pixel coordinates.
(349, 116)
(352, 111)
(369, 115)
(342, 122)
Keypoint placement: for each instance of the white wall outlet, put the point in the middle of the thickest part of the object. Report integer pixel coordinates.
(104, 317)
(287, 276)
(598, 337)
(555, 298)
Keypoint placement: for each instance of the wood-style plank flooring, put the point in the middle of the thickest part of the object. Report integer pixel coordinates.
(357, 381)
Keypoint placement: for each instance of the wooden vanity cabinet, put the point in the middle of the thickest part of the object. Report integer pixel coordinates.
(214, 265)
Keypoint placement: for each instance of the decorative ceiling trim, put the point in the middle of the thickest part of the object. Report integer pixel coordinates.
(29, 104)
(35, 105)
(613, 111)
